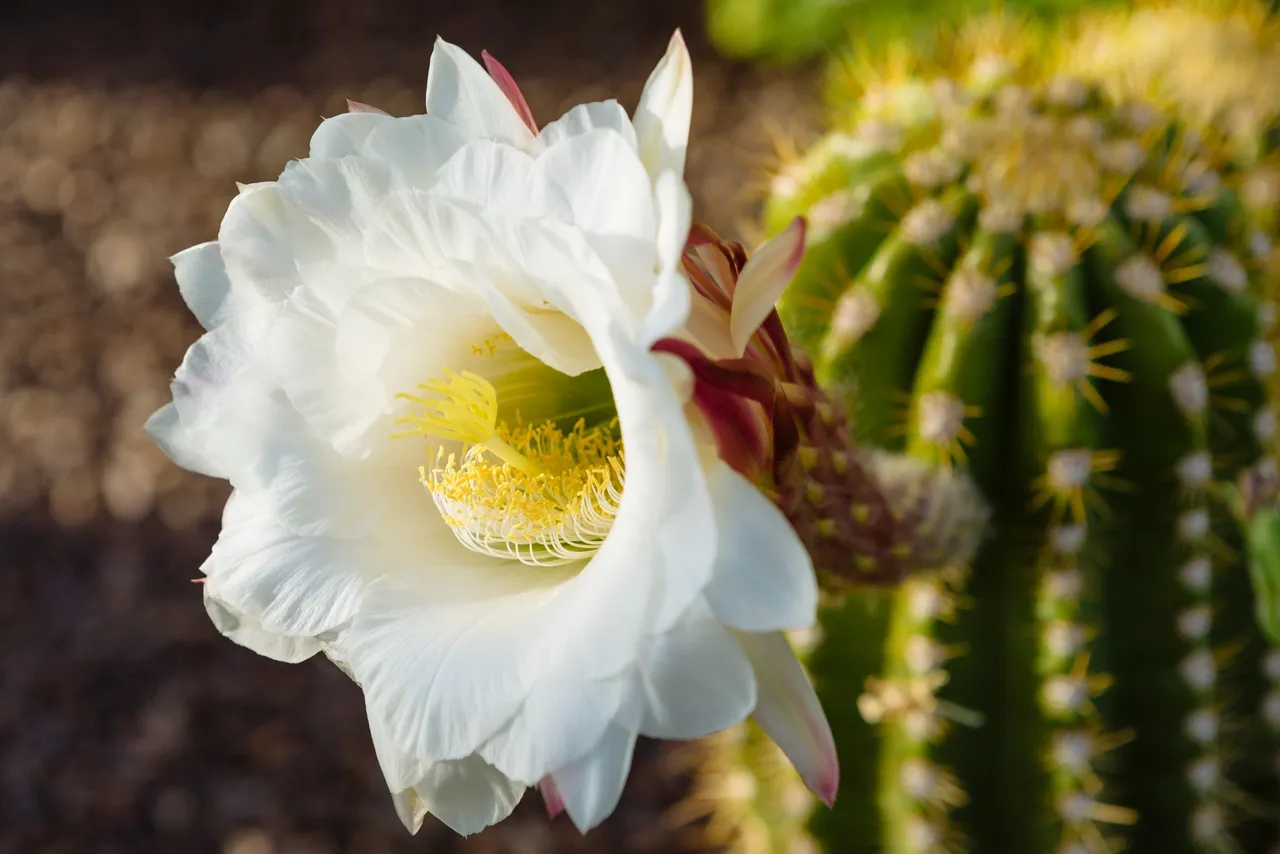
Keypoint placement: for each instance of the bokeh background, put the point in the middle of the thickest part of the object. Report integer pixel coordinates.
(127, 724)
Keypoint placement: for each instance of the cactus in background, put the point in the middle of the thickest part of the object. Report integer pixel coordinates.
(775, 30)
(791, 30)
(1216, 62)
(1022, 278)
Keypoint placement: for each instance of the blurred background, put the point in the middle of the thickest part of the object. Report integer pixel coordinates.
(127, 724)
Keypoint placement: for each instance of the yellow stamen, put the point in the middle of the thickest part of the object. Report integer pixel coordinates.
(549, 497)
(466, 411)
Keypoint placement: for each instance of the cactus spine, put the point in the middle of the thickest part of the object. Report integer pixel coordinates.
(1057, 293)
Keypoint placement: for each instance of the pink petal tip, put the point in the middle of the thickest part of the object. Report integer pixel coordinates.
(357, 107)
(551, 797)
(827, 786)
(507, 84)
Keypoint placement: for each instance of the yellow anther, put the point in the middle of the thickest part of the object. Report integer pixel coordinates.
(466, 410)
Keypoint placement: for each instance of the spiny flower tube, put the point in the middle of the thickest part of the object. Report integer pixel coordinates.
(460, 469)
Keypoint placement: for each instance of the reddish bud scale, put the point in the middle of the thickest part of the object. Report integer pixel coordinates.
(773, 423)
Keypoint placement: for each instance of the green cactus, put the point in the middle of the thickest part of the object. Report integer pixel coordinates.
(1061, 296)
(793, 30)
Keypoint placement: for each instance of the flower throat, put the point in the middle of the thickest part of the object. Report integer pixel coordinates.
(544, 493)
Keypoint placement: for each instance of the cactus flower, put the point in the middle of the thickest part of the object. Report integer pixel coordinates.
(461, 469)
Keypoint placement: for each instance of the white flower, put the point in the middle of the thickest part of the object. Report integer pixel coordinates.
(516, 598)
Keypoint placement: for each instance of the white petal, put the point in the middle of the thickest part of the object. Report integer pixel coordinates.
(203, 282)
(460, 92)
(673, 295)
(789, 712)
(444, 653)
(666, 107)
(342, 376)
(339, 198)
(665, 527)
(345, 134)
(675, 215)
(504, 261)
(417, 146)
(225, 407)
(259, 239)
(401, 770)
(762, 282)
(592, 786)
(409, 809)
(695, 679)
(166, 430)
(496, 179)
(612, 201)
(584, 118)
(607, 189)
(250, 634)
(468, 795)
(552, 258)
(291, 585)
(764, 578)
(562, 717)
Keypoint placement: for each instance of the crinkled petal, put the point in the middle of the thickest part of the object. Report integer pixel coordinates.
(290, 585)
(665, 110)
(592, 786)
(339, 198)
(443, 653)
(460, 92)
(342, 376)
(249, 633)
(261, 238)
(764, 578)
(344, 135)
(585, 118)
(415, 146)
(789, 712)
(228, 408)
(499, 180)
(166, 430)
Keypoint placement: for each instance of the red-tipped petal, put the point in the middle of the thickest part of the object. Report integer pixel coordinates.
(789, 712)
(357, 107)
(738, 401)
(507, 84)
(551, 796)
(762, 282)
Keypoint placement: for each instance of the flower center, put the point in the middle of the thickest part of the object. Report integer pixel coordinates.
(544, 494)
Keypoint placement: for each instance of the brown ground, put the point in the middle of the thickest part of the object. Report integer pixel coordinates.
(126, 723)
